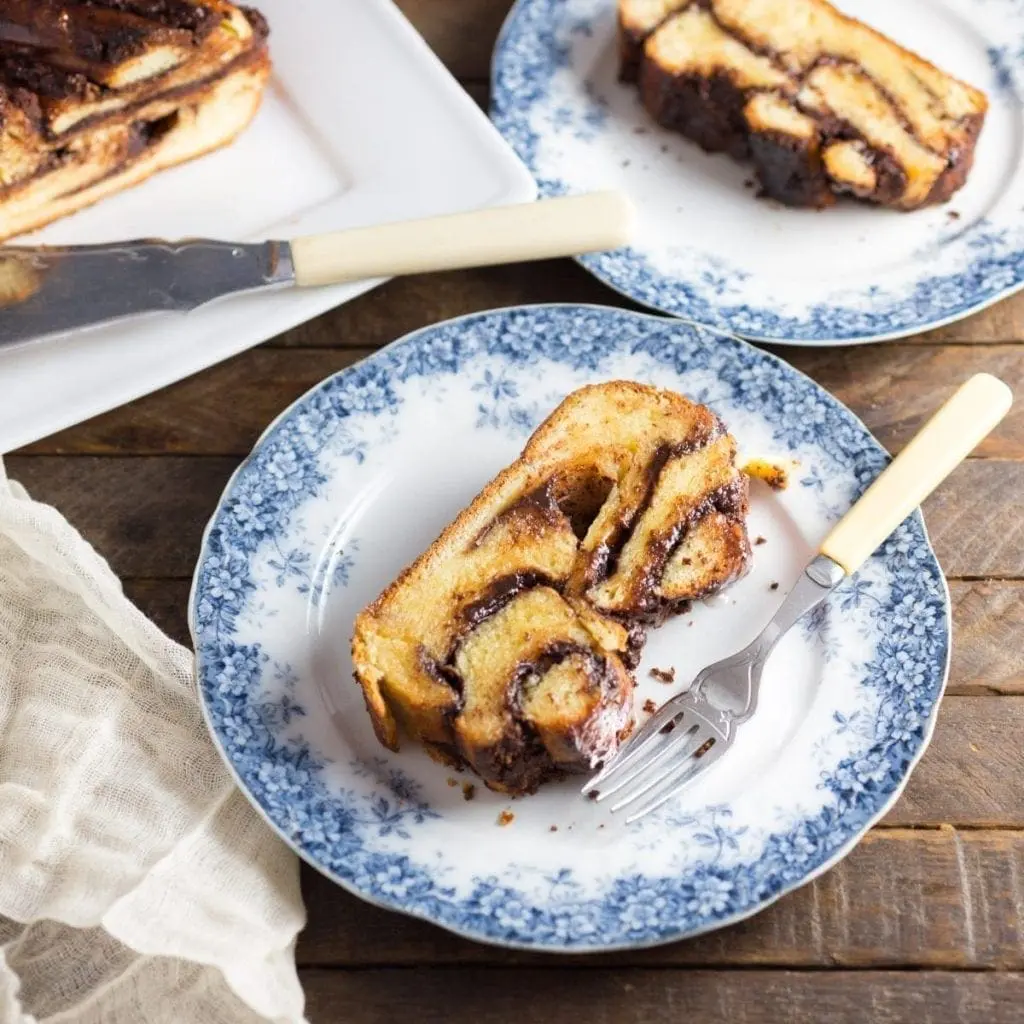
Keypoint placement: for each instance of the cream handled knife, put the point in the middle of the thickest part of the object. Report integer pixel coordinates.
(49, 291)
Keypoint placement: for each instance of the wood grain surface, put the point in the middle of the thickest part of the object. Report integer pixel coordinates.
(923, 922)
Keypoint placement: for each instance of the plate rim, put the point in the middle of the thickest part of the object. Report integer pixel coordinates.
(682, 934)
(591, 262)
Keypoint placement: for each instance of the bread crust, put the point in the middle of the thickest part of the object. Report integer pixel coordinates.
(507, 645)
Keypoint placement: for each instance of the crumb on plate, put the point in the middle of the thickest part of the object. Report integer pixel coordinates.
(505, 818)
(552, 828)
(773, 586)
(451, 781)
(774, 475)
(759, 540)
(468, 791)
(649, 706)
(663, 675)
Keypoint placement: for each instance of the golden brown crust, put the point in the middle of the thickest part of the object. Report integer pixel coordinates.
(821, 103)
(506, 644)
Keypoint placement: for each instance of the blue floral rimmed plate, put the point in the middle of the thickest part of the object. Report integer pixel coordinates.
(707, 250)
(361, 473)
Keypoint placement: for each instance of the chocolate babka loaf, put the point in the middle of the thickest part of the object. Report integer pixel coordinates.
(508, 644)
(96, 95)
(821, 103)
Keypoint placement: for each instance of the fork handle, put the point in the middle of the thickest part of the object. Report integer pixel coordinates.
(933, 453)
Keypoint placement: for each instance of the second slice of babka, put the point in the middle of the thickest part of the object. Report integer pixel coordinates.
(821, 103)
(508, 644)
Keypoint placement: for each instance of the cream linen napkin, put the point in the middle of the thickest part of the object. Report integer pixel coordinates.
(136, 882)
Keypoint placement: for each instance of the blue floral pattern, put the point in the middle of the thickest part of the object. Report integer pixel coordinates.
(362, 830)
(538, 51)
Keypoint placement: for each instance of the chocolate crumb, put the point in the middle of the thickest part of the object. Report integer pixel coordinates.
(760, 540)
(451, 781)
(664, 675)
(773, 586)
(592, 795)
(468, 791)
(553, 828)
(649, 706)
(601, 825)
(953, 214)
(505, 818)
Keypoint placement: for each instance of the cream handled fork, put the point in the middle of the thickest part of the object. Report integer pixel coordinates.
(693, 730)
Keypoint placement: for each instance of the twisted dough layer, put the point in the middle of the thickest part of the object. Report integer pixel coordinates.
(507, 644)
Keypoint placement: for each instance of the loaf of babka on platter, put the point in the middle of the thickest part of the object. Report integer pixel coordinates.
(97, 95)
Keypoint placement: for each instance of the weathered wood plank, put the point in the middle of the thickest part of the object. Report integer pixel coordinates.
(221, 411)
(972, 773)
(975, 522)
(918, 898)
(988, 623)
(893, 388)
(461, 34)
(409, 303)
(496, 996)
(146, 514)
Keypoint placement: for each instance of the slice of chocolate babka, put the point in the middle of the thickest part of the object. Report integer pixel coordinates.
(96, 95)
(821, 103)
(508, 644)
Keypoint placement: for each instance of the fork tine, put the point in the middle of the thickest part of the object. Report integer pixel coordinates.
(695, 768)
(695, 740)
(679, 744)
(636, 745)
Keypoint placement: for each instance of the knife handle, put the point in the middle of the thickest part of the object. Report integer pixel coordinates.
(502, 234)
(932, 454)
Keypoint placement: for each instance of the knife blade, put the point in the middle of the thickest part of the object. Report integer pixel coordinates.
(50, 291)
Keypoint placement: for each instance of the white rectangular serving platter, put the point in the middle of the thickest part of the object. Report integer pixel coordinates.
(361, 124)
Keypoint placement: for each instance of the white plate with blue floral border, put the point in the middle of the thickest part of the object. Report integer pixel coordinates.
(707, 249)
(361, 474)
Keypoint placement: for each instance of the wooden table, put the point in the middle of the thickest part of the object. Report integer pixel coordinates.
(924, 922)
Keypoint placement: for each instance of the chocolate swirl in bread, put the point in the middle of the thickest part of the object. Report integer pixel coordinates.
(821, 103)
(508, 644)
(96, 95)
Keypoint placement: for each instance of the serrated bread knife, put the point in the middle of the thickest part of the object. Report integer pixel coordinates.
(49, 291)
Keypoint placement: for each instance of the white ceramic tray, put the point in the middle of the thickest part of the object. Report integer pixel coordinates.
(361, 124)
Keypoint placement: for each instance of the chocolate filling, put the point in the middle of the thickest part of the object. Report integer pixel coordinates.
(709, 111)
(501, 592)
(605, 557)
